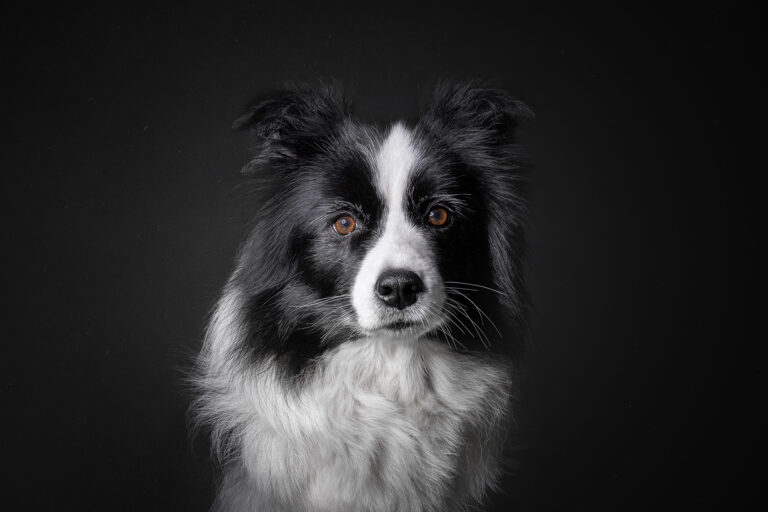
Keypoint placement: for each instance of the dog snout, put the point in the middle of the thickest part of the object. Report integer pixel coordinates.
(399, 288)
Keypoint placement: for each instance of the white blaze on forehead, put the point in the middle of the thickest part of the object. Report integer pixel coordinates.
(394, 163)
(401, 244)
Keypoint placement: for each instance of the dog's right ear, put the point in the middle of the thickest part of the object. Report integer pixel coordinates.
(292, 125)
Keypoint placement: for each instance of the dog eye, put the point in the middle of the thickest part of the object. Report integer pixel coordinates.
(438, 216)
(345, 225)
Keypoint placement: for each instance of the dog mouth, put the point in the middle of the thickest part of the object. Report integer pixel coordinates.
(415, 322)
(408, 325)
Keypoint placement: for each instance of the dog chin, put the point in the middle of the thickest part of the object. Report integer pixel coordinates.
(398, 330)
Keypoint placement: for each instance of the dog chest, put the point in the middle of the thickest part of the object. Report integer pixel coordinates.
(391, 423)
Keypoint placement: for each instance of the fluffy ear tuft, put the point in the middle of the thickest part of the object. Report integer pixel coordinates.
(293, 123)
(472, 108)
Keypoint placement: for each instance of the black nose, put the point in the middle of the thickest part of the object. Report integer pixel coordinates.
(399, 288)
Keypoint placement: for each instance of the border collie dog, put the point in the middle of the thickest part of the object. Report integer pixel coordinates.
(361, 355)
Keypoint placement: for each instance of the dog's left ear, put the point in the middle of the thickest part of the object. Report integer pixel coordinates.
(481, 117)
(292, 125)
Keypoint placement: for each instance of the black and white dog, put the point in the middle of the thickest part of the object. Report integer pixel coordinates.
(360, 357)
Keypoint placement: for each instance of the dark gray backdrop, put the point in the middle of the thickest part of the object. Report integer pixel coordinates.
(120, 168)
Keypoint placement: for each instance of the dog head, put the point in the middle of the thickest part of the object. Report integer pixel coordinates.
(401, 232)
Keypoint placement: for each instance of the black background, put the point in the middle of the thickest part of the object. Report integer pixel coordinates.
(121, 225)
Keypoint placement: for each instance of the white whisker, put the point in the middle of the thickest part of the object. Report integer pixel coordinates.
(478, 286)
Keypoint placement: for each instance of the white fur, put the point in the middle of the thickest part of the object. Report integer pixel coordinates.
(381, 425)
(402, 245)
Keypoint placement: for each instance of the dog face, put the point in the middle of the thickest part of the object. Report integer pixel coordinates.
(396, 233)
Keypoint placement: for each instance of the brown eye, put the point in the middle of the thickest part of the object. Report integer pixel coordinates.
(437, 216)
(344, 225)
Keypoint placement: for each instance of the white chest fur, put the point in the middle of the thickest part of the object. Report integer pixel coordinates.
(381, 425)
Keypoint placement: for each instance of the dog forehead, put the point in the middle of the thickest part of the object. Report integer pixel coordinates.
(395, 160)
